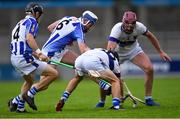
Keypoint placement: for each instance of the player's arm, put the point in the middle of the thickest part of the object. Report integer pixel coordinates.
(156, 44)
(52, 26)
(32, 43)
(113, 37)
(83, 47)
(111, 45)
(80, 40)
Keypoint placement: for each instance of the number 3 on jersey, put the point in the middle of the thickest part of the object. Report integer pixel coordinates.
(61, 24)
(16, 34)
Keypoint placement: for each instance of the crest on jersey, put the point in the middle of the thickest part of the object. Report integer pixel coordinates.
(33, 28)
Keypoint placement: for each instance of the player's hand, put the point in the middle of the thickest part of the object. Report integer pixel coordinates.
(165, 57)
(43, 57)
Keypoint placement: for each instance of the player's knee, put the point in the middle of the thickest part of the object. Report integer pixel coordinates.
(149, 69)
(55, 74)
(29, 80)
(115, 81)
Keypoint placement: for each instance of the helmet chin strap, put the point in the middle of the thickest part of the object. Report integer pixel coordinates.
(82, 22)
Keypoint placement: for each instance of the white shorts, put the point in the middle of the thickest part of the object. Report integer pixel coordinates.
(57, 55)
(82, 65)
(24, 68)
(130, 55)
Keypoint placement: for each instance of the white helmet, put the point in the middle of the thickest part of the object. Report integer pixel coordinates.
(89, 16)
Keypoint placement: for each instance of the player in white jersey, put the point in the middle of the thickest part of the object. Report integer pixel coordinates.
(124, 36)
(23, 50)
(99, 60)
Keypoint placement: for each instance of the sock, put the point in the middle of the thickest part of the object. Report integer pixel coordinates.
(100, 101)
(116, 102)
(65, 95)
(16, 99)
(32, 92)
(21, 105)
(147, 97)
(104, 85)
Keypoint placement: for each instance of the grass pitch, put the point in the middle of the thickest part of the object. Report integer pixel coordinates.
(82, 101)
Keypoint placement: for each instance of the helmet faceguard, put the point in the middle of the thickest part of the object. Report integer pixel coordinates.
(129, 21)
(34, 8)
(88, 19)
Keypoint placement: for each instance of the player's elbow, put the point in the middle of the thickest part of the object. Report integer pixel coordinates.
(49, 28)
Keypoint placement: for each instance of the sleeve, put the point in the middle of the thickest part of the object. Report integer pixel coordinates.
(31, 27)
(142, 29)
(78, 33)
(115, 33)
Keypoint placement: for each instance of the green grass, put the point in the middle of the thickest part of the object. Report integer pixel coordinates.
(82, 101)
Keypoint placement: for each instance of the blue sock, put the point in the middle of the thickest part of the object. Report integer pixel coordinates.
(116, 102)
(104, 85)
(16, 99)
(32, 92)
(21, 105)
(65, 95)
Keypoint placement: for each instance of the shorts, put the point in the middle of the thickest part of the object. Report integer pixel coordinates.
(24, 68)
(83, 65)
(130, 55)
(57, 56)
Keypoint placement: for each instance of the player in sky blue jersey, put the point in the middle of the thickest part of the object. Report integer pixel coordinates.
(64, 32)
(24, 57)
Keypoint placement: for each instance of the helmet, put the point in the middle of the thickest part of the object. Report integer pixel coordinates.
(129, 17)
(90, 16)
(33, 8)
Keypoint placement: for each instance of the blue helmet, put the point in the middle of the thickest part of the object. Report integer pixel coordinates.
(88, 15)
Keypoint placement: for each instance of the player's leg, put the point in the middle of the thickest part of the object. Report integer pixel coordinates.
(17, 103)
(143, 61)
(121, 90)
(24, 89)
(102, 100)
(73, 83)
(69, 57)
(95, 64)
(115, 86)
(104, 93)
(48, 74)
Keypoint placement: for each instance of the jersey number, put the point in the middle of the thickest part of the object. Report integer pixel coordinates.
(16, 34)
(60, 25)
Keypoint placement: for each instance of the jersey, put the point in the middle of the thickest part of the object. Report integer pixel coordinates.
(98, 59)
(68, 30)
(126, 42)
(21, 53)
(18, 40)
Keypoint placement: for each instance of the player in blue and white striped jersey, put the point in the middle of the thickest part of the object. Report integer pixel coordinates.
(66, 31)
(24, 49)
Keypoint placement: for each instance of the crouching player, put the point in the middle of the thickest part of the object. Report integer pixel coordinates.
(105, 64)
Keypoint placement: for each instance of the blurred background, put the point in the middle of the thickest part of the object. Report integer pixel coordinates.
(162, 17)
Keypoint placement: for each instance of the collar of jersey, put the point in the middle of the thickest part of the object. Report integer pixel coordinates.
(29, 16)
